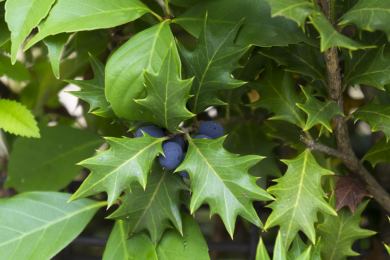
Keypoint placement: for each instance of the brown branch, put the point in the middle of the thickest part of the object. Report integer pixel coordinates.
(350, 160)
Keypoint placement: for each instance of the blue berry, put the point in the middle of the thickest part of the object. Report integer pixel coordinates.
(202, 136)
(173, 156)
(184, 174)
(212, 129)
(179, 140)
(151, 130)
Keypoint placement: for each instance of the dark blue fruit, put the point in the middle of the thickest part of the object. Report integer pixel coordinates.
(212, 129)
(179, 140)
(184, 174)
(202, 136)
(151, 130)
(173, 155)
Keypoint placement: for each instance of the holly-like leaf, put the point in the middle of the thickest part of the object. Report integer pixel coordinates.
(17, 119)
(55, 44)
(153, 207)
(223, 14)
(296, 10)
(300, 58)
(349, 192)
(87, 15)
(369, 16)
(376, 115)
(287, 132)
(128, 159)
(279, 251)
(375, 71)
(221, 179)
(277, 93)
(299, 196)
(212, 63)
(93, 90)
(22, 16)
(298, 247)
(341, 231)
(380, 152)
(318, 112)
(124, 70)
(167, 94)
(261, 252)
(301, 251)
(330, 37)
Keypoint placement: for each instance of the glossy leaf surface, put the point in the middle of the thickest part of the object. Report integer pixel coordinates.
(55, 45)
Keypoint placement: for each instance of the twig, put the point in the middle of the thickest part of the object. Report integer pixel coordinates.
(353, 164)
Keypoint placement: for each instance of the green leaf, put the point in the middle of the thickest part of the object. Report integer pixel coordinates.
(318, 112)
(370, 16)
(224, 14)
(277, 94)
(330, 37)
(375, 71)
(22, 16)
(37, 225)
(5, 34)
(190, 246)
(167, 93)
(155, 206)
(87, 43)
(279, 250)
(380, 152)
(376, 115)
(387, 248)
(87, 15)
(17, 72)
(124, 70)
(298, 247)
(341, 231)
(287, 132)
(261, 252)
(93, 91)
(212, 63)
(114, 170)
(296, 10)
(17, 119)
(300, 58)
(55, 45)
(221, 179)
(48, 163)
(299, 196)
(138, 246)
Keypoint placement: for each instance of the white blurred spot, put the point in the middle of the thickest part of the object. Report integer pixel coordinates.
(212, 112)
(355, 93)
(70, 102)
(363, 128)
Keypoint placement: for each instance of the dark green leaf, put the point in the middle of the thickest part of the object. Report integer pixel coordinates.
(37, 225)
(184, 3)
(93, 91)
(298, 247)
(167, 93)
(17, 72)
(87, 43)
(221, 179)
(56, 44)
(341, 231)
(223, 14)
(48, 163)
(155, 206)
(279, 251)
(379, 153)
(87, 15)
(212, 63)
(124, 70)
(299, 197)
(5, 34)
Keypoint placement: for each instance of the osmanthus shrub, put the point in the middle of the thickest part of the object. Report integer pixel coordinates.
(275, 73)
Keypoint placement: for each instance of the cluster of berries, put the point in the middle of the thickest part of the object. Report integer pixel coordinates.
(175, 149)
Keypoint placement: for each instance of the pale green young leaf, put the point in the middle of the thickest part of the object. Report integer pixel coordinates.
(55, 45)
(113, 171)
(299, 197)
(330, 37)
(93, 91)
(155, 206)
(17, 119)
(296, 10)
(87, 15)
(369, 15)
(380, 152)
(167, 93)
(120, 247)
(212, 63)
(22, 16)
(300, 58)
(318, 112)
(340, 232)
(124, 70)
(387, 248)
(221, 179)
(49, 163)
(37, 225)
(376, 115)
(261, 252)
(277, 94)
(224, 14)
(374, 71)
